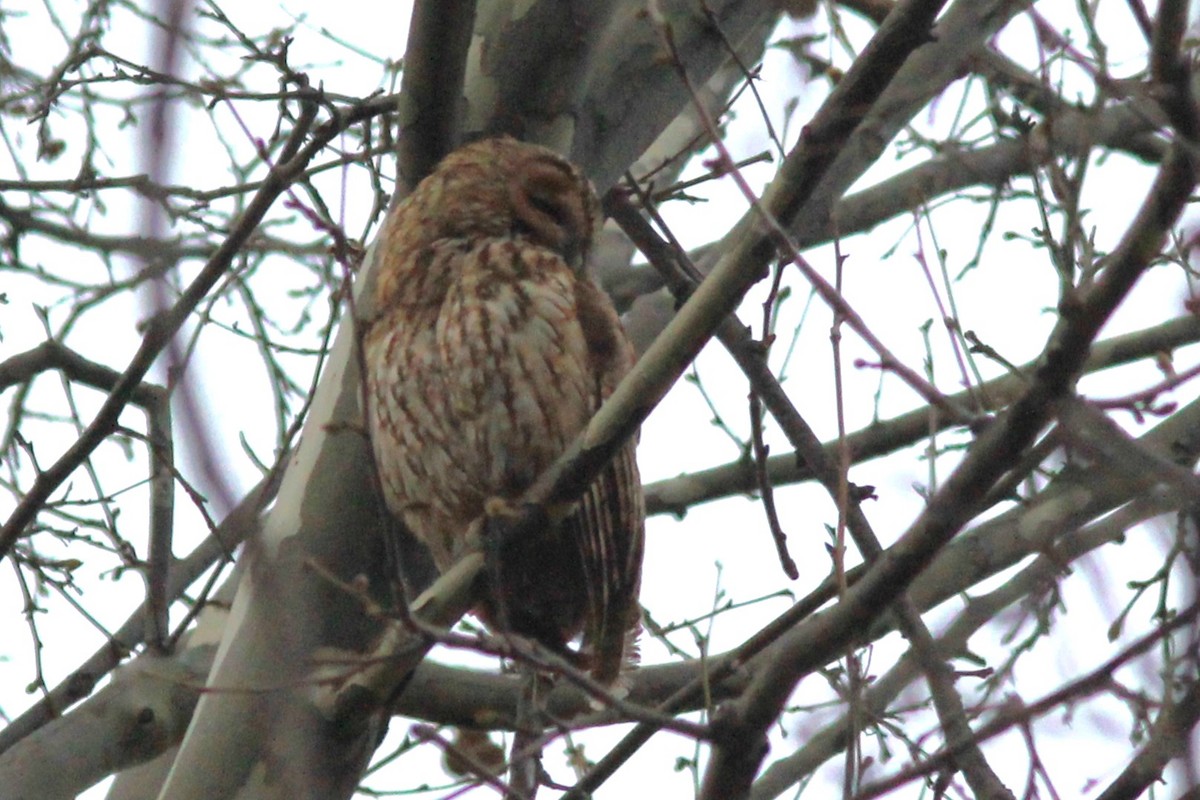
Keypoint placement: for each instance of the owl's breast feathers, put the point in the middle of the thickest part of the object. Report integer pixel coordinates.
(497, 379)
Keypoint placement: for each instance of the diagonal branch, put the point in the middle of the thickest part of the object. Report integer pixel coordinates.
(1168, 739)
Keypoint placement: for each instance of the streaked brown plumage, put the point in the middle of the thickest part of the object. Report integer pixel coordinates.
(489, 352)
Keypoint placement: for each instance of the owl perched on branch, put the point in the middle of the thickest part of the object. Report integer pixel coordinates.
(489, 352)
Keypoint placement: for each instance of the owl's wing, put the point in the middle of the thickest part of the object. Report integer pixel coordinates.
(609, 522)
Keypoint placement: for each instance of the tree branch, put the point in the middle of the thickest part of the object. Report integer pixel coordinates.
(431, 90)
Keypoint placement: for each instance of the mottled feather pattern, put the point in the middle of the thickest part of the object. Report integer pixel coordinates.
(489, 352)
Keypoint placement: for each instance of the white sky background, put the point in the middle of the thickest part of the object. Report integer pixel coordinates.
(722, 545)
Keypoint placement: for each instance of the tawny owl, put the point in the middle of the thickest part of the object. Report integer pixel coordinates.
(489, 352)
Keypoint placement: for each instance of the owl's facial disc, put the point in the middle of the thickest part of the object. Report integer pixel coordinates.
(549, 207)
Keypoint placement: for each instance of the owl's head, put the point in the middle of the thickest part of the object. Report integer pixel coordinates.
(506, 188)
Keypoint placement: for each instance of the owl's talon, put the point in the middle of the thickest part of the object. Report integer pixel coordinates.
(500, 507)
